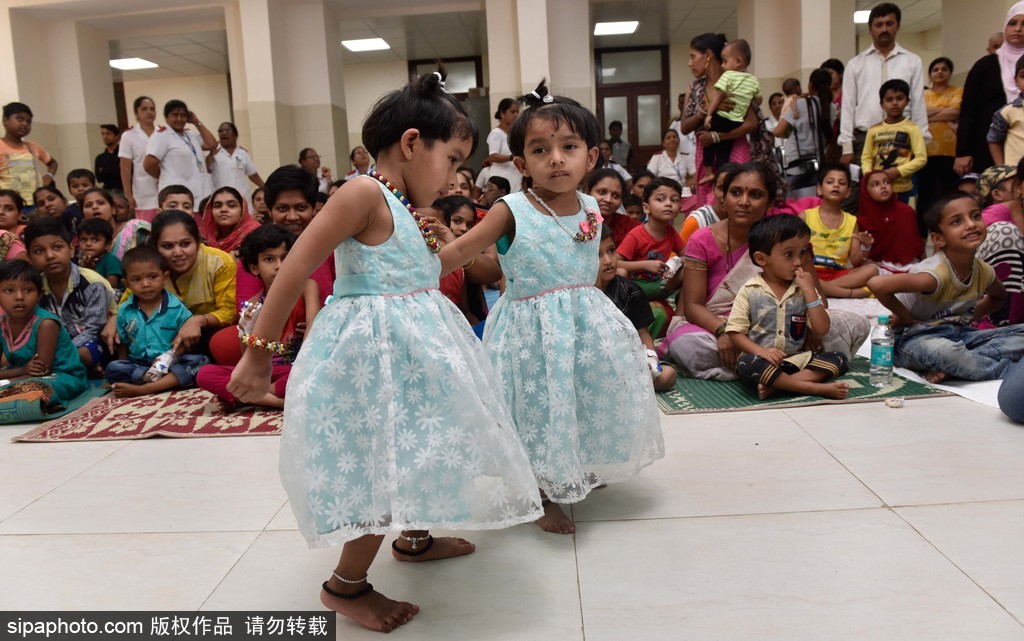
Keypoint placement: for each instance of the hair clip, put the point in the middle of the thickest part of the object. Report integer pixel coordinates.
(547, 98)
(440, 81)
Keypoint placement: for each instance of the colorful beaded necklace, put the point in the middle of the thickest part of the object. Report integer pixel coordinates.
(428, 234)
(588, 228)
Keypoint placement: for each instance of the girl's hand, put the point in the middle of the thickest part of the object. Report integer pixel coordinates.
(188, 335)
(250, 381)
(109, 335)
(300, 329)
(727, 352)
(654, 266)
(804, 279)
(438, 227)
(773, 355)
(866, 239)
(893, 174)
(36, 367)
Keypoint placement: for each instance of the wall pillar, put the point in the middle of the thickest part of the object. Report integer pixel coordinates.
(570, 54)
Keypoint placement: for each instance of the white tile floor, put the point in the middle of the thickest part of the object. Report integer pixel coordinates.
(834, 522)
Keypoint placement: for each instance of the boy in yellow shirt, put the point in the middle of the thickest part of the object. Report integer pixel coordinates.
(895, 146)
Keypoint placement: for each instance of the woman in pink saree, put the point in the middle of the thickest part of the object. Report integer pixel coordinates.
(716, 265)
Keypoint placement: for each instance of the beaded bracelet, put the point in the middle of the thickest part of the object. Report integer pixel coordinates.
(275, 347)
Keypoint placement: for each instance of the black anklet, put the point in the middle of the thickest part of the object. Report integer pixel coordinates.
(430, 544)
(363, 592)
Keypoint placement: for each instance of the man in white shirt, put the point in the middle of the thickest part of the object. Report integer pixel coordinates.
(865, 73)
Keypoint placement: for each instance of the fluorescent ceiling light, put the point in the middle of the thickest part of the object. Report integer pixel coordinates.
(129, 64)
(861, 17)
(366, 44)
(615, 28)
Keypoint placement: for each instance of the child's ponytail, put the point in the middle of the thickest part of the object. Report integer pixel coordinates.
(539, 96)
(430, 85)
(560, 110)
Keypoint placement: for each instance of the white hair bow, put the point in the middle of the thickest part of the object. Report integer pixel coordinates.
(440, 81)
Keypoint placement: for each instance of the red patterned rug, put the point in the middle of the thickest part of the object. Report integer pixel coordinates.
(178, 414)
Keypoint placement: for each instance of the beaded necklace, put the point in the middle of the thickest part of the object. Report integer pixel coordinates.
(588, 228)
(433, 243)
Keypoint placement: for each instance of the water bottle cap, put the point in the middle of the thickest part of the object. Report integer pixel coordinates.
(883, 319)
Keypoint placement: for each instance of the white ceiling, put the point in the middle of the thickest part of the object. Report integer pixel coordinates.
(190, 40)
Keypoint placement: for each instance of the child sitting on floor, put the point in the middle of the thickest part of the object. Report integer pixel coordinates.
(646, 249)
(836, 239)
(147, 324)
(632, 302)
(176, 197)
(40, 359)
(892, 224)
(80, 297)
(773, 311)
(936, 303)
(262, 253)
(94, 238)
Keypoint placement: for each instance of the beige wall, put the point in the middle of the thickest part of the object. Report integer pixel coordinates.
(364, 84)
(207, 96)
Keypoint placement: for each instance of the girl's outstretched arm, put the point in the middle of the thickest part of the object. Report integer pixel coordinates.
(498, 222)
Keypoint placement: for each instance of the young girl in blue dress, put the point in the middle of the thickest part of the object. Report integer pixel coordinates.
(571, 365)
(39, 357)
(386, 427)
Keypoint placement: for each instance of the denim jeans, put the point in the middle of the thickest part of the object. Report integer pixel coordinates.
(960, 351)
(133, 369)
(1011, 393)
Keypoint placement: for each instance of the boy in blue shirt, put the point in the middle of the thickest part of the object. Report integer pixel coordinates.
(147, 323)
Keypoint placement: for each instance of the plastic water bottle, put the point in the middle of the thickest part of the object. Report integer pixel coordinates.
(160, 366)
(881, 353)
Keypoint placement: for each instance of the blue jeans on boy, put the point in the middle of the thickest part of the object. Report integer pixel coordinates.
(960, 351)
(133, 369)
(1011, 393)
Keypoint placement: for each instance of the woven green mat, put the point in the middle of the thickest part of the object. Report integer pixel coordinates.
(692, 395)
(22, 411)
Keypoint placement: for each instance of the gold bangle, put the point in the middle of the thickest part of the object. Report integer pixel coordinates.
(469, 264)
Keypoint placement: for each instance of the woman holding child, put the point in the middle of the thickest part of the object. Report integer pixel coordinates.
(716, 265)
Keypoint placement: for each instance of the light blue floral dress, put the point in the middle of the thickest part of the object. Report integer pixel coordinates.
(572, 366)
(393, 420)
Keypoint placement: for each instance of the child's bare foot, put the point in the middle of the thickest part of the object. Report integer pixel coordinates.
(126, 390)
(555, 520)
(434, 549)
(837, 390)
(371, 610)
(935, 376)
(764, 391)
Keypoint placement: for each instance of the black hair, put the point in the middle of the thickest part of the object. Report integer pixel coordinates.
(337, 183)
(172, 190)
(138, 102)
(933, 216)
(422, 104)
(229, 190)
(255, 192)
(835, 65)
(503, 106)
(631, 200)
(12, 108)
(260, 240)
(790, 86)
(742, 48)
(606, 233)
(321, 198)
(50, 188)
(451, 204)
(302, 154)
(106, 195)
(643, 172)
(724, 169)
(771, 184)
(174, 105)
(774, 96)
(949, 63)
(19, 202)
(114, 129)
(290, 178)
(829, 167)
(885, 9)
(96, 227)
(21, 271)
(668, 131)
(894, 85)
(772, 230)
(615, 123)
(598, 175)
(1017, 67)
(352, 154)
(558, 111)
(39, 227)
(143, 255)
(202, 205)
(501, 183)
(820, 85)
(234, 129)
(661, 182)
(169, 217)
(75, 174)
(712, 43)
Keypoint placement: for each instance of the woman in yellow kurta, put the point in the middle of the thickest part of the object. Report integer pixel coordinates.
(943, 104)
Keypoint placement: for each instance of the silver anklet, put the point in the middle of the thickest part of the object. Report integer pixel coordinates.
(344, 580)
(415, 540)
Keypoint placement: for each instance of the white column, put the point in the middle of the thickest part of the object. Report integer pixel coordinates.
(571, 58)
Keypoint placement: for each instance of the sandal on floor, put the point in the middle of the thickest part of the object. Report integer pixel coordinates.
(423, 550)
(338, 595)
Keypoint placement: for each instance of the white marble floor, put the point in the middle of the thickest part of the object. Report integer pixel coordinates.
(834, 522)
